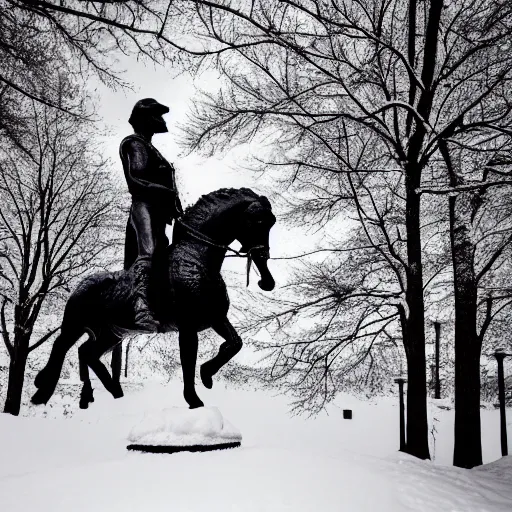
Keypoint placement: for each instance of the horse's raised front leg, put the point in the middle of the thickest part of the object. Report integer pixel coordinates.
(89, 357)
(227, 351)
(188, 356)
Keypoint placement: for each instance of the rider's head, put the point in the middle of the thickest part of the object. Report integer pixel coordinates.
(147, 116)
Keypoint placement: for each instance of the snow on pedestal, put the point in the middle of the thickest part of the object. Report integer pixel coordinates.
(179, 429)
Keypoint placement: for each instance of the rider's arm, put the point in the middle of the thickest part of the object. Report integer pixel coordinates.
(136, 157)
(176, 209)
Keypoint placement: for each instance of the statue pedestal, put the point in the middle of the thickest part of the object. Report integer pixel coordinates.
(178, 429)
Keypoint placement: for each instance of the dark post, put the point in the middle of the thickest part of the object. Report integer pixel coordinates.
(401, 381)
(500, 355)
(437, 389)
(116, 362)
(126, 359)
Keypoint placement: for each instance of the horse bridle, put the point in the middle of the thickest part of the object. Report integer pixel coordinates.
(208, 241)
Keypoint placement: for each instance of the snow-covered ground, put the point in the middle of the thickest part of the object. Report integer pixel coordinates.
(285, 463)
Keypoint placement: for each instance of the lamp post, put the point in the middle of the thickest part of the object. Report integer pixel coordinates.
(432, 376)
(401, 381)
(437, 389)
(500, 355)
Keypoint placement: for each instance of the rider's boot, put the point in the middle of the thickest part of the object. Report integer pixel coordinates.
(144, 319)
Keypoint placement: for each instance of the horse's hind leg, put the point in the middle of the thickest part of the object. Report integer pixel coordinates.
(227, 351)
(86, 395)
(47, 379)
(89, 357)
(188, 357)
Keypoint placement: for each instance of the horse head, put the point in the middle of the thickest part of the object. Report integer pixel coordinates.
(252, 232)
(233, 214)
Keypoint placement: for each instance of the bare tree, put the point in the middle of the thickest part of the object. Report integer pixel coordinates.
(470, 268)
(474, 146)
(56, 222)
(339, 322)
(481, 238)
(407, 72)
(40, 39)
(333, 72)
(325, 336)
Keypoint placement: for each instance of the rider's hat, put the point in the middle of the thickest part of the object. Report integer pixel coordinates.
(147, 110)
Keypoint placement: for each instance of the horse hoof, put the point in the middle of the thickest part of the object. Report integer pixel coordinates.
(193, 400)
(84, 404)
(85, 401)
(206, 377)
(86, 398)
(39, 398)
(118, 393)
(38, 381)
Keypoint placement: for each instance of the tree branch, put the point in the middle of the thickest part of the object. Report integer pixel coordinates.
(5, 332)
(37, 344)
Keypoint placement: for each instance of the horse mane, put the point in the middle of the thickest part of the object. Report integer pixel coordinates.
(206, 204)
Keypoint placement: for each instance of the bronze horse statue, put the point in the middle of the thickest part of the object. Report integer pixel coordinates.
(188, 294)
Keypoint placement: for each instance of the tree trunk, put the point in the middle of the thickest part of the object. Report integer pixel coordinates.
(414, 340)
(16, 376)
(468, 447)
(417, 421)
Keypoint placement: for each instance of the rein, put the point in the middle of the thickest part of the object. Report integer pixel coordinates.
(208, 241)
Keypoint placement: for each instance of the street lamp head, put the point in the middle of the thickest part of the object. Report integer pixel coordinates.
(400, 380)
(501, 352)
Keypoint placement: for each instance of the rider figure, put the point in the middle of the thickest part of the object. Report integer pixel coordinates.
(155, 201)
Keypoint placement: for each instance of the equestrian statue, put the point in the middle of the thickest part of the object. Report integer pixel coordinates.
(163, 288)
